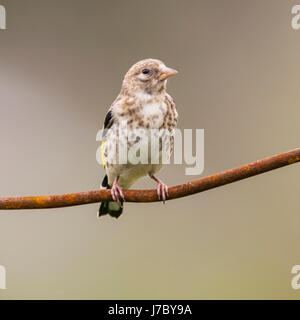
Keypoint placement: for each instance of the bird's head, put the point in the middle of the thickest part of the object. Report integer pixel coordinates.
(147, 76)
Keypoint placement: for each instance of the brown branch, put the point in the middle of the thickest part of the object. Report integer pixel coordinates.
(183, 190)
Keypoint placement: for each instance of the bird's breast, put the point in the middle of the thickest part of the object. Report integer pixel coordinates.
(153, 114)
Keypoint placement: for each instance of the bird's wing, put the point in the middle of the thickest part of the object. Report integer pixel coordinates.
(108, 122)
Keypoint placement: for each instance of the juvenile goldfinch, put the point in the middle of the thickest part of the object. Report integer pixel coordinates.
(143, 103)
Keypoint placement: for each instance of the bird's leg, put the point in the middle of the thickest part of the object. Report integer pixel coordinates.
(162, 189)
(117, 192)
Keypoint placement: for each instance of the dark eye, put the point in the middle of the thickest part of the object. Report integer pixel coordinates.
(145, 71)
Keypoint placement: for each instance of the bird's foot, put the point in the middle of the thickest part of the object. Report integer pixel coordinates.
(162, 189)
(117, 193)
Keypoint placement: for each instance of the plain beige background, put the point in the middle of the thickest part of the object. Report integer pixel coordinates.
(61, 66)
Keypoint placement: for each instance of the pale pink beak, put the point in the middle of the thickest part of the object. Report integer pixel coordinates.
(167, 73)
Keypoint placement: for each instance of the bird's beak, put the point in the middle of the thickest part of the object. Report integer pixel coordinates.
(167, 73)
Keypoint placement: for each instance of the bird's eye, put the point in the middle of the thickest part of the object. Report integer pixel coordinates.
(145, 71)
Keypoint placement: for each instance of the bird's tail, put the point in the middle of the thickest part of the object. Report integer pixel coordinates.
(109, 207)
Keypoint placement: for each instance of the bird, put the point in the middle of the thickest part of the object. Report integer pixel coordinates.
(142, 104)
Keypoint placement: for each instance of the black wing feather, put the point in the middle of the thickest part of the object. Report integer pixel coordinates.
(108, 122)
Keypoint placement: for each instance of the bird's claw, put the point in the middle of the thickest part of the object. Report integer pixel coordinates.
(162, 191)
(117, 194)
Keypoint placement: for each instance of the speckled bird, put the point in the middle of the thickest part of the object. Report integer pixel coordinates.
(143, 103)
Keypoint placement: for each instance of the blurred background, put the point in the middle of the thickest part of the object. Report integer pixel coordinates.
(61, 66)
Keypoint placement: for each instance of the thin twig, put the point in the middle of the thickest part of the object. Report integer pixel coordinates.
(183, 190)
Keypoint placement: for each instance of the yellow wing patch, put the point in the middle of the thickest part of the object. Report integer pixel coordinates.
(102, 154)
